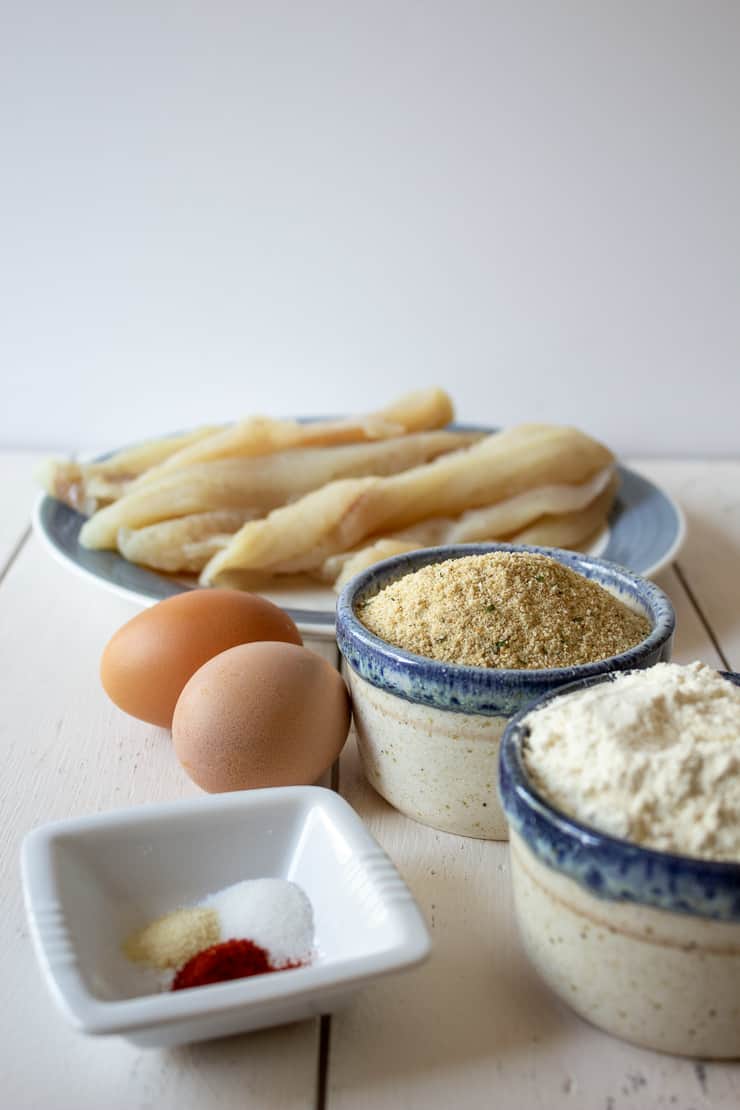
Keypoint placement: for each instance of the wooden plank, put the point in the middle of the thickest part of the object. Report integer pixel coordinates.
(475, 1027)
(18, 491)
(67, 750)
(691, 641)
(709, 493)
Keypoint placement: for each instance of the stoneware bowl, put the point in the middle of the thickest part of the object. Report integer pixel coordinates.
(429, 732)
(644, 944)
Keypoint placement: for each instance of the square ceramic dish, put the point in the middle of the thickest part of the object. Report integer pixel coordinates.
(88, 882)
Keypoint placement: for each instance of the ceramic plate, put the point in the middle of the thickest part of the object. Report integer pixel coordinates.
(645, 531)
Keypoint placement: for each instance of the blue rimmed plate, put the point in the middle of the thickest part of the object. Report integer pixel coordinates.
(645, 531)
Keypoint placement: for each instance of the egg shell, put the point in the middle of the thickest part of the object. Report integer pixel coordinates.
(147, 663)
(263, 714)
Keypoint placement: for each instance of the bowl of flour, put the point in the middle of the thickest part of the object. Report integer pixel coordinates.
(622, 794)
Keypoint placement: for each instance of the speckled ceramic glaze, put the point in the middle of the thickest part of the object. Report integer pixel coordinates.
(644, 944)
(429, 732)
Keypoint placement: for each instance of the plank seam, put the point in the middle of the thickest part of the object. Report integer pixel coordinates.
(322, 1078)
(702, 616)
(15, 552)
(322, 1075)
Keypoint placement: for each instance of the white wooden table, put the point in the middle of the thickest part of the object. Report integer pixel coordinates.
(474, 1027)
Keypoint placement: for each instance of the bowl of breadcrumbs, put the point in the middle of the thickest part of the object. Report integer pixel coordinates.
(442, 646)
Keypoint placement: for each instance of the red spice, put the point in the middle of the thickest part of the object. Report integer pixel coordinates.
(233, 959)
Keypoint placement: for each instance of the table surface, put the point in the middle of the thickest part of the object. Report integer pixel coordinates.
(473, 1027)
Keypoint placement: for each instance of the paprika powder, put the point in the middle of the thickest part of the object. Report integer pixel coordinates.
(232, 959)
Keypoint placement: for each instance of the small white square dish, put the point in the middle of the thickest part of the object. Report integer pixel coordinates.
(89, 881)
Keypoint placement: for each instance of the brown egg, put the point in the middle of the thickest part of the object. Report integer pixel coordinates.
(268, 714)
(147, 663)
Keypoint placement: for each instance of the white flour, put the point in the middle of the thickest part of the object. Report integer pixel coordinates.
(653, 757)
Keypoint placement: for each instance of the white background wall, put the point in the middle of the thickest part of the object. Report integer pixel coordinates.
(216, 207)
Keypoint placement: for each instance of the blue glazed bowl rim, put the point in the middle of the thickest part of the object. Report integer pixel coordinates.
(352, 633)
(520, 798)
